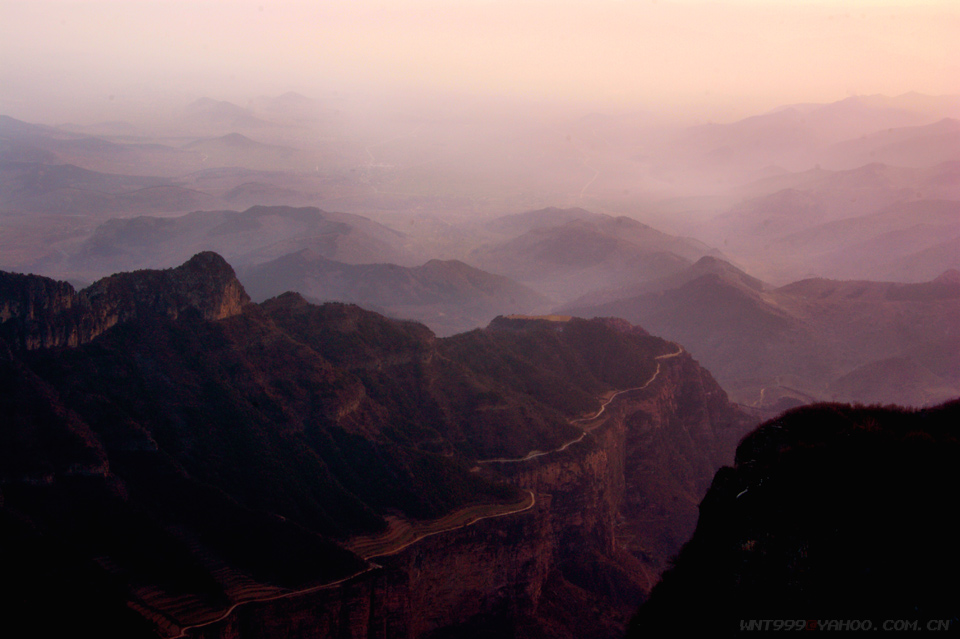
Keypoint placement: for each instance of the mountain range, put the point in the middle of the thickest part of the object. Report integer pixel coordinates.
(566, 253)
(812, 339)
(174, 453)
(447, 295)
(255, 235)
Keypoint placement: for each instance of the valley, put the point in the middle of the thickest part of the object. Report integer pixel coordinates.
(445, 320)
(374, 362)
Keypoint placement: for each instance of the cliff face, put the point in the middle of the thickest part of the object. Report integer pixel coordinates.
(832, 512)
(471, 582)
(194, 451)
(680, 432)
(37, 312)
(610, 511)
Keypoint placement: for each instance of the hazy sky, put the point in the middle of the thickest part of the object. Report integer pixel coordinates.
(717, 59)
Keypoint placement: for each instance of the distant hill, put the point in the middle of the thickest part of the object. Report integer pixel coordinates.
(520, 223)
(899, 242)
(845, 224)
(919, 265)
(24, 142)
(65, 189)
(800, 137)
(707, 265)
(800, 338)
(254, 193)
(293, 107)
(220, 114)
(567, 253)
(235, 149)
(448, 296)
(896, 380)
(256, 235)
(24, 180)
(920, 146)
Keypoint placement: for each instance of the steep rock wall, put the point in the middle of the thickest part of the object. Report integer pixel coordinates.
(37, 312)
(490, 573)
(611, 510)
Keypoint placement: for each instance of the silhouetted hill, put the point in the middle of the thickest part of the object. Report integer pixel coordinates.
(235, 149)
(805, 526)
(798, 338)
(707, 265)
(64, 189)
(258, 234)
(233, 433)
(449, 296)
(210, 113)
(42, 313)
(920, 146)
(24, 142)
(590, 251)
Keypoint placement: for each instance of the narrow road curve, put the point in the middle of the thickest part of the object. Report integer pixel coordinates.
(370, 567)
(596, 174)
(373, 566)
(533, 502)
(533, 454)
(294, 593)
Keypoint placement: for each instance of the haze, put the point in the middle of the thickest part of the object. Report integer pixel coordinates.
(434, 318)
(686, 60)
(691, 167)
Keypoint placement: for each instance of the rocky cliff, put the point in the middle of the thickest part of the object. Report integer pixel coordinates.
(610, 511)
(833, 515)
(211, 464)
(37, 312)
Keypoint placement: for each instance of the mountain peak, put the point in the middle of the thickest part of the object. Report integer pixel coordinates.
(205, 282)
(41, 313)
(950, 276)
(236, 139)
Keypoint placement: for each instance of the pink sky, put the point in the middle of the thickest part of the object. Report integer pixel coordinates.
(726, 59)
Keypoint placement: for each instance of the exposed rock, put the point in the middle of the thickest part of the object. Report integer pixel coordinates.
(37, 312)
(832, 512)
(203, 451)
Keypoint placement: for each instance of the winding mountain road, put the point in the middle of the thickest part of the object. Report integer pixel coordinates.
(458, 516)
(284, 595)
(533, 454)
(527, 505)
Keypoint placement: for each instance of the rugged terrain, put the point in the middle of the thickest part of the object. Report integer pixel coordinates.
(179, 460)
(446, 295)
(815, 339)
(831, 512)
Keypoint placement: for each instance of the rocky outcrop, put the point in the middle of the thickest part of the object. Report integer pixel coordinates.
(190, 465)
(832, 512)
(472, 581)
(37, 312)
(610, 511)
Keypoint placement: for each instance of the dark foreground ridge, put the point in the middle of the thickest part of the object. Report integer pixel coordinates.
(832, 513)
(177, 461)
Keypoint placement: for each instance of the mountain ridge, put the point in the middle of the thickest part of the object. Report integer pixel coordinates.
(199, 463)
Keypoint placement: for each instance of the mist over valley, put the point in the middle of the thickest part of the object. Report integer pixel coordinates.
(418, 319)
